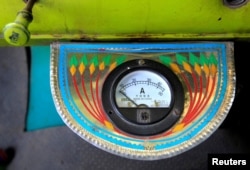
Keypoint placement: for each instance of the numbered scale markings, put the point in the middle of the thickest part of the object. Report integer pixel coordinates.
(143, 97)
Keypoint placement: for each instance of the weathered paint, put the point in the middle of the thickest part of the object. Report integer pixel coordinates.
(140, 20)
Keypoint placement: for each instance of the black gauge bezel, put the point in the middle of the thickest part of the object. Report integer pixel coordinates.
(172, 114)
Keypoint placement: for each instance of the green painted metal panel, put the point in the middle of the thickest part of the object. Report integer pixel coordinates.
(94, 20)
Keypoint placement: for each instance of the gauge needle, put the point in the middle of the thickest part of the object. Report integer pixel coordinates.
(124, 94)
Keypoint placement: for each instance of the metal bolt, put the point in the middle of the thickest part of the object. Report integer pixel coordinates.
(141, 62)
(235, 3)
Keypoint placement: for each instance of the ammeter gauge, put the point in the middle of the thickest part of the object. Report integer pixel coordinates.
(143, 97)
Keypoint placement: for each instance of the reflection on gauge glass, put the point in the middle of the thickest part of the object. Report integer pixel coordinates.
(143, 89)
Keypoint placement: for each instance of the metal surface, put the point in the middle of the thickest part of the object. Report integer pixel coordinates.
(141, 20)
(206, 71)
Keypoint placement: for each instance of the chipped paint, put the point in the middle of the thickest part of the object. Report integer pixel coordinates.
(149, 21)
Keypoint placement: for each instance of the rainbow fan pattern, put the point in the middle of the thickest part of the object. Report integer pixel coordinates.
(206, 71)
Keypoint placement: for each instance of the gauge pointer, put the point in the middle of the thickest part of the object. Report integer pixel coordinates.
(124, 94)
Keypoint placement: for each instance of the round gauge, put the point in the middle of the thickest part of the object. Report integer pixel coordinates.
(141, 91)
(143, 88)
(143, 97)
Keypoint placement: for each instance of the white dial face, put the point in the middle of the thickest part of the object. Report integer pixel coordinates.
(143, 88)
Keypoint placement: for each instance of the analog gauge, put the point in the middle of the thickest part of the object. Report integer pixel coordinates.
(143, 89)
(143, 97)
(140, 92)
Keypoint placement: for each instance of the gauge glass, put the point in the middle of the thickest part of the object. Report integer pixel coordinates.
(143, 88)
